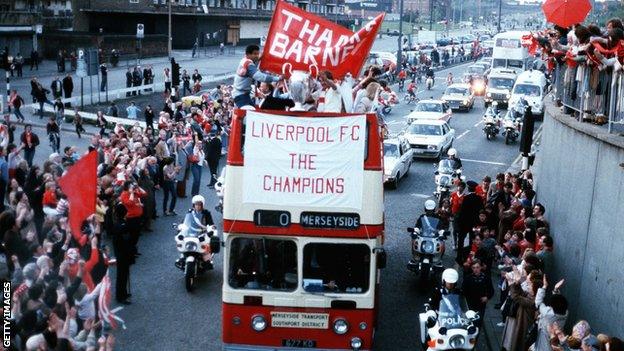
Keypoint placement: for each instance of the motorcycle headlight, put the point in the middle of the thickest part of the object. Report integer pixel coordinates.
(457, 341)
(190, 246)
(356, 343)
(258, 323)
(427, 246)
(445, 181)
(432, 147)
(341, 326)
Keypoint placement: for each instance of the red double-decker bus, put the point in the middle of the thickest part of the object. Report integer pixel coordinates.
(303, 231)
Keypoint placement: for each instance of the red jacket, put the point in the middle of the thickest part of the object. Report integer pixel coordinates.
(133, 206)
(456, 201)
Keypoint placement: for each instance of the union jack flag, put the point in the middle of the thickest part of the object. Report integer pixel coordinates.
(104, 300)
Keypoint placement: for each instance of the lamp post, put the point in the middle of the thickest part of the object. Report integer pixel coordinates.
(169, 31)
(430, 14)
(400, 49)
(500, 6)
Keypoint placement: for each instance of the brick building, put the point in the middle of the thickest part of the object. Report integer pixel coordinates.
(208, 21)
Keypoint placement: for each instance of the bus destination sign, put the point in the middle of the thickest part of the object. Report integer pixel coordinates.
(327, 220)
(269, 218)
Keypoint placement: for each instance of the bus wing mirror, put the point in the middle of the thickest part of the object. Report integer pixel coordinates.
(382, 258)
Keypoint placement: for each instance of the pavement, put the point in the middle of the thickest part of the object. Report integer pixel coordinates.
(163, 316)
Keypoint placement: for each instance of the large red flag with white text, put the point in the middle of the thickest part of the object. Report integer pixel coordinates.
(80, 186)
(301, 41)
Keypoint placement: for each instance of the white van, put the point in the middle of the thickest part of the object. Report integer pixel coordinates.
(531, 85)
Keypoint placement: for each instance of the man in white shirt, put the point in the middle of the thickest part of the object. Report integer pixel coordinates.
(330, 99)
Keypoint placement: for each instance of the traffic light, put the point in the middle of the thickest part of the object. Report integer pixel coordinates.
(526, 138)
(175, 73)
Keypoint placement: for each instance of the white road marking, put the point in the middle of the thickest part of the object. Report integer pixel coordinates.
(486, 162)
(462, 134)
(421, 196)
(396, 122)
(477, 124)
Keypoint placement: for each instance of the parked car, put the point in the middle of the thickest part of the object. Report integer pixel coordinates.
(430, 110)
(398, 157)
(430, 138)
(459, 96)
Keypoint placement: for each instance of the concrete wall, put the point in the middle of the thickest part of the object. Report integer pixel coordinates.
(580, 181)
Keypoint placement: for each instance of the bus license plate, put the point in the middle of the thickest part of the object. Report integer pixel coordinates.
(298, 343)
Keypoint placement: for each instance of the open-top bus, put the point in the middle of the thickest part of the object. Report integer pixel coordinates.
(303, 231)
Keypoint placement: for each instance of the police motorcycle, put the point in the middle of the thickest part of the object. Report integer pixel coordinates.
(427, 243)
(445, 176)
(491, 121)
(197, 244)
(451, 326)
(512, 122)
(511, 127)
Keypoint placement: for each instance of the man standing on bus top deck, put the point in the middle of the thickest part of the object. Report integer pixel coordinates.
(246, 73)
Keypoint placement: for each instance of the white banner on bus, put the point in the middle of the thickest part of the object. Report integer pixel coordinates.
(301, 161)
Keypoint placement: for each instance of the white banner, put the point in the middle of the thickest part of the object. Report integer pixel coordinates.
(300, 161)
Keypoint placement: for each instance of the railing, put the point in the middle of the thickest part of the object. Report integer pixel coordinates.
(616, 104)
(590, 93)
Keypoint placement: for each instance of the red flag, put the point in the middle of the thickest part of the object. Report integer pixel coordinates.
(80, 186)
(301, 41)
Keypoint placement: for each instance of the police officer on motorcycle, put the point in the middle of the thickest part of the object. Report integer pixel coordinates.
(430, 206)
(429, 73)
(449, 286)
(455, 160)
(201, 219)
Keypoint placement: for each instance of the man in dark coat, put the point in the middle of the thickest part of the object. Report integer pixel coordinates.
(34, 60)
(468, 217)
(122, 245)
(213, 154)
(137, 78)
(129, 81)
(477, 288)
(68, 88)
(57, 88)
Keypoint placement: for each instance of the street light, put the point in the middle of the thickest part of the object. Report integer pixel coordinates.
(400, 50)
(169, 35)
(500, 6)
(430, 14)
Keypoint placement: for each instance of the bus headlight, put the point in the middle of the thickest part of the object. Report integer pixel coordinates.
(341, 326)
(457, 341)
(356, 343)
(258, 323)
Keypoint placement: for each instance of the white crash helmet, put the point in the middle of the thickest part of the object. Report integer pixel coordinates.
(452, 152)
(198, 198)
(450, 276)
(430, 205)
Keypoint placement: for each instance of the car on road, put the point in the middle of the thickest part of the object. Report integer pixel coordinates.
(430, 138)
(430, 110)
(398, 157)
(477, 72)
(459, 96)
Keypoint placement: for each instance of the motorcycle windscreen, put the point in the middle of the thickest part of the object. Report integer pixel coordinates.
(430, 226)
(445, 167)
(452, 314)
